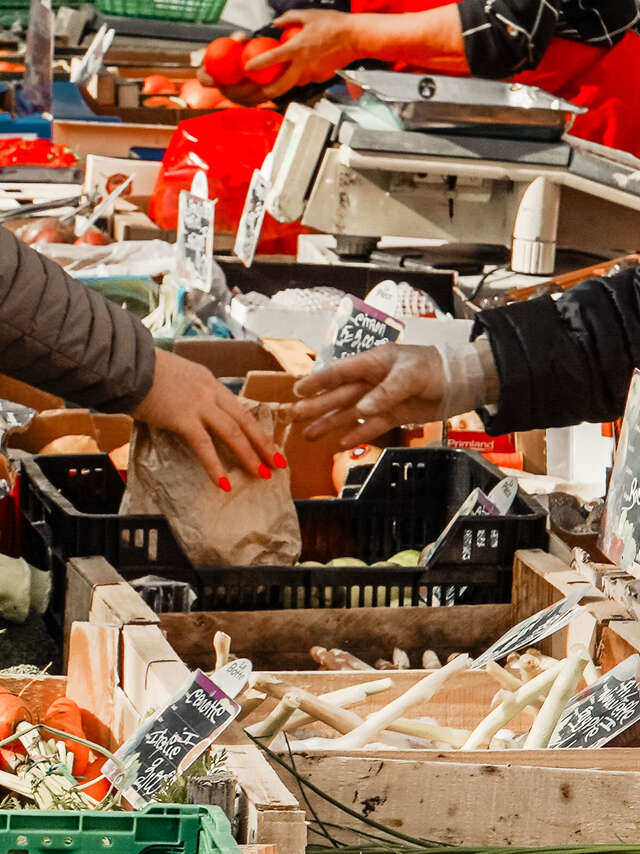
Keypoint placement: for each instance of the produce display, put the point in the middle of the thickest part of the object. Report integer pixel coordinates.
(50, 764)
(115, 585)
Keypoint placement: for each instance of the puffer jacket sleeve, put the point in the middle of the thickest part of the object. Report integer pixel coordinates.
(568, 360)
(60, 336)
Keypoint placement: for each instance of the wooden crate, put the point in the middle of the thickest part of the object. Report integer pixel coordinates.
(282, 639)
(514, 797)
(121, 667)
(481, 797)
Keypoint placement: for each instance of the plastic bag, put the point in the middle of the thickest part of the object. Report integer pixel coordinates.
(227, 145)
(129, 258)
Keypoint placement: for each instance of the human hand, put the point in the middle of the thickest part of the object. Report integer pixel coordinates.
(246, 93)
(326, 43)
(366, 395)
(186, 398)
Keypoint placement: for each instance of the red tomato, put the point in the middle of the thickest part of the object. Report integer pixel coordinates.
(158, 84)
(344, 460)
(199, 97)
(290, 32)
(254, 48)
(223, 61)
(161, 101)
(94, 237)
(114, 181)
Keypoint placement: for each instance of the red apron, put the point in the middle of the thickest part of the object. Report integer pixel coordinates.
(605, 80)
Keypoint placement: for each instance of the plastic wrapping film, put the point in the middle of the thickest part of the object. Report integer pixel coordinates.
(14, 418)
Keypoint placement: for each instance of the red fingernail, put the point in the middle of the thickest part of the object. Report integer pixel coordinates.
(280, 461)
(263, 471)
(224, 484)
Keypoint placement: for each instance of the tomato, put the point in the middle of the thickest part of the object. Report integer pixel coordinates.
(161, 102)
(199, 97)
(290, 32)
(223, 61)
(158, 84)
(254, 48)
(344, 460)
(94, 237)
(114, 181)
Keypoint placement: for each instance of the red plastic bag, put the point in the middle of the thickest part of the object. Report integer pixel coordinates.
(227, 145)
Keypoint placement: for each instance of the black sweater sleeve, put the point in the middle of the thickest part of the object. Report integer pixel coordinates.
(568, 360)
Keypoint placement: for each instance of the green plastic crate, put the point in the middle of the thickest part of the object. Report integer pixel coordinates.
(161, 829)
(187, 11)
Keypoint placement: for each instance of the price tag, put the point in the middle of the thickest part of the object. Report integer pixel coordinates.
(504, 494)
(620, 530)
(358, 327)
(173, 738)
(534, 629)
(250, 226)
(194, 242)
(475, 504)
(602, 711)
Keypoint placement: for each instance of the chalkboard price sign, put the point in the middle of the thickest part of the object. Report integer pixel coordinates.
(620, 529)
(534, 629)
(602, 711)
(358, 327)
(173, 738)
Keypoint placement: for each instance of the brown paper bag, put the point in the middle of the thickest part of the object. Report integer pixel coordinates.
(254, 525)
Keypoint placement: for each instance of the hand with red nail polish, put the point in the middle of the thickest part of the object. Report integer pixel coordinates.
(186, 398)
(279, 461)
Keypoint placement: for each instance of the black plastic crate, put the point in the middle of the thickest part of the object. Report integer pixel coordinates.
(269, 277)
(69, 508)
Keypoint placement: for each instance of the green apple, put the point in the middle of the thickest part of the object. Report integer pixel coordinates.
(310, 563)
(346, 561)
(409, 557)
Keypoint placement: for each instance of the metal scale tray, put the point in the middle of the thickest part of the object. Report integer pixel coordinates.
(466, 105)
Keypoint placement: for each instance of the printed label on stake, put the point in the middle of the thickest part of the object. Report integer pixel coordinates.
(194, 242)
(534, 629)
(504, 494)
(475, 504)
(173, 738)
(250, 226)
(604, 710)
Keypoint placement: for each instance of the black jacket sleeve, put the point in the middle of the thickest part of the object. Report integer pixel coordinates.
(568, 360)
(60, 336)
(502, 37)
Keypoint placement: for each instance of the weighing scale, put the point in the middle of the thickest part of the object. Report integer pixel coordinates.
(458, 161)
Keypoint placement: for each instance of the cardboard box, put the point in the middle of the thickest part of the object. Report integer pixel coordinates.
(225, 358)
(27, 395)
(109, 431)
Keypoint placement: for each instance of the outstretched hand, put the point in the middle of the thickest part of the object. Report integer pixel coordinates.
(186, 398)
(364, 396)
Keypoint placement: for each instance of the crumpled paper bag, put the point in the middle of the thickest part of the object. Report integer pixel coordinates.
(254, 525)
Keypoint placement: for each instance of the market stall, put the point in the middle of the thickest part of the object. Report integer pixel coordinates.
(225, 623)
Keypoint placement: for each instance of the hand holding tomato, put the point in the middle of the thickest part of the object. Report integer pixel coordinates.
(324, 42)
